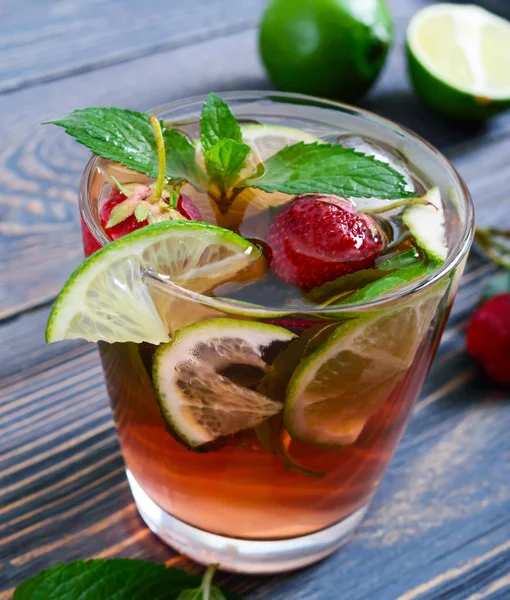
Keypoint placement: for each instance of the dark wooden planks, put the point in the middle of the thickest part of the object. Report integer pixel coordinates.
(442, 506)
(50, 40)
(438, 527)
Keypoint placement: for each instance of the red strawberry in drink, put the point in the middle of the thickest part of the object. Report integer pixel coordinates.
(188, 209)
(185, 208)
(126, 226)
(317, 238)
(133, 206)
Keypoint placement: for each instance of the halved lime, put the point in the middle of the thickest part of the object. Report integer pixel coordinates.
(203, 378)
(459, 59)
(107, 298)
(335, 390)
(427, 226)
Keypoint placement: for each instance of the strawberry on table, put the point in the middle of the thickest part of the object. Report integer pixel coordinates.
(488, 337)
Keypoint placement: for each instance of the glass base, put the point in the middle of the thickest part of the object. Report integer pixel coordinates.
(243, 556)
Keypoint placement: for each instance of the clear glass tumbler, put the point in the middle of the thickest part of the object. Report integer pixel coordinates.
(239, 504)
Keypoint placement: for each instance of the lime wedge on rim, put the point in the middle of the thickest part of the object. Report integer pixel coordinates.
(106, 298)
(459, 57)
(203, 378)
(336, 389)
(427, 225)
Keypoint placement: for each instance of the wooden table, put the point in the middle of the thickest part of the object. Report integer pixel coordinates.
(439, 525)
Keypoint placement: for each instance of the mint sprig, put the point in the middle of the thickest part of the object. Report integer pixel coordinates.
(119, 579)
(224, 162)
(126, 137)
(224, 151)
(326, 169)
(217, 123)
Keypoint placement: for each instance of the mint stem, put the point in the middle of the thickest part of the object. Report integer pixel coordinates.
(492, 247)
(160, 144)
(283, 452)
(207, 580)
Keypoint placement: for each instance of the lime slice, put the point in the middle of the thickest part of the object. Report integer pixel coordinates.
(458, 60)
(203, 378)
(107, 298)
(335, 390)
(267, 140)
(427, 226)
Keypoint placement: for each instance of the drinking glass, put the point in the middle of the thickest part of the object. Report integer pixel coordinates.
(238, 503)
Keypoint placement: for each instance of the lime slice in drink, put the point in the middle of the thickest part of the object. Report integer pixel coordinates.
(427, 226)
(336, 389)
(267, 140)
(203, 378)
(459, 60)
(107, 298)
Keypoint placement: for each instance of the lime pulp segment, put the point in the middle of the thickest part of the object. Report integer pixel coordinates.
(107, 298)
(335, 390)
(199, 401)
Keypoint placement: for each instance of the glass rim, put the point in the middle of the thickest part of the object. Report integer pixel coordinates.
(456, 255)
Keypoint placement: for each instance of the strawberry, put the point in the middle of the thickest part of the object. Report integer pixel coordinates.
(315, 239)
(185, 209)
(188, 209)
(135, 205)
(488, 337)
(126, 226)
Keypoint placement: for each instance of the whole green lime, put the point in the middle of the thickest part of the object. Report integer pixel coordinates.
(329, 48)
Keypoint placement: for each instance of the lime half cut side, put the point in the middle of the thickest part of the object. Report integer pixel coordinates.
(459, 57)
(204, 378)
(107, 298)
(335, 390)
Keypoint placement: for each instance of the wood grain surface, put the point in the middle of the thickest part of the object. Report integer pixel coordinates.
(439, 527)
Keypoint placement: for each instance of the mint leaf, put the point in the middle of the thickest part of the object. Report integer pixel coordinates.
(115, 579)
(124, 136)
(224, 162)
(386, 284)
(323, 168)
(217, 123)
(330, 291)
(181, 159)
(405, 259)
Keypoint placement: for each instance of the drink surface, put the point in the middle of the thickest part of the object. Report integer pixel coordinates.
(331, 389)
